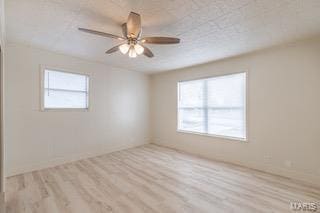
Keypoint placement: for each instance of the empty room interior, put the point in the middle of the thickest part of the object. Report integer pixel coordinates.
(160, 106)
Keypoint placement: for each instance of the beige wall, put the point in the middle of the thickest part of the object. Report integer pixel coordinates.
(283, 111)
(118, 116)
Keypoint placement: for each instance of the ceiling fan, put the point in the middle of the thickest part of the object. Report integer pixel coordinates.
(134, 44)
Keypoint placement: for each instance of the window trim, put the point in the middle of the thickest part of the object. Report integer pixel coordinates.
(42, 90)
(246, 71)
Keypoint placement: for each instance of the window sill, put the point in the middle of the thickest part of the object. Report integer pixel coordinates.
(214, 136)
(64, 110)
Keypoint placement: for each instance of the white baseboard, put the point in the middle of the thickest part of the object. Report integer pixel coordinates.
(62, 160)
(304, 178)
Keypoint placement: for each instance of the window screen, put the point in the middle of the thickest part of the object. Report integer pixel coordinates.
(215, 106)
(64, 90)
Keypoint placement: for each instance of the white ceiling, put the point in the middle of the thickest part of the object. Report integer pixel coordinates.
(209, 29)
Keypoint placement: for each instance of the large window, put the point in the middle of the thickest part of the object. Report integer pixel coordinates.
(63, 90)
(214, 106)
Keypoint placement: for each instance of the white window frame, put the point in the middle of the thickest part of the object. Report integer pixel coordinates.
(245, 139)
(42, 89)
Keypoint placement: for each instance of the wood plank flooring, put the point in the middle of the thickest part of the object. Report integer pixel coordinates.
(150, 179)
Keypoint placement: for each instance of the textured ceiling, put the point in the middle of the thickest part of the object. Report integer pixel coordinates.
(209, 29)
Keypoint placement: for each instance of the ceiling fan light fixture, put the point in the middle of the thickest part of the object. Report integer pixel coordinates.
(132, 52)
(139, 49)
(133, 44)
(124, 48)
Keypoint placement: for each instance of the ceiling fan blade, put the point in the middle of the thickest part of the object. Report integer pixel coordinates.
(147, 52)
(113, 49)
(124, 29)
(133, 25)
(101, 33)
(160, 40)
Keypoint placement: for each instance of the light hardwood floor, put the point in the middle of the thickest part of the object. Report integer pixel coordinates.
(153, 179)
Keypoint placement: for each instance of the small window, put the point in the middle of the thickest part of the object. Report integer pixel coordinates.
(63, 90)
(213, 106)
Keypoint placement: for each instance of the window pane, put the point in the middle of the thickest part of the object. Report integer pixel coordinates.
(226, 91)
(65, 81)
(226, 122)
(191, 119)
(65, 90)
(226, 105)
(191, 94)
(65, 99)
(214, 105)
